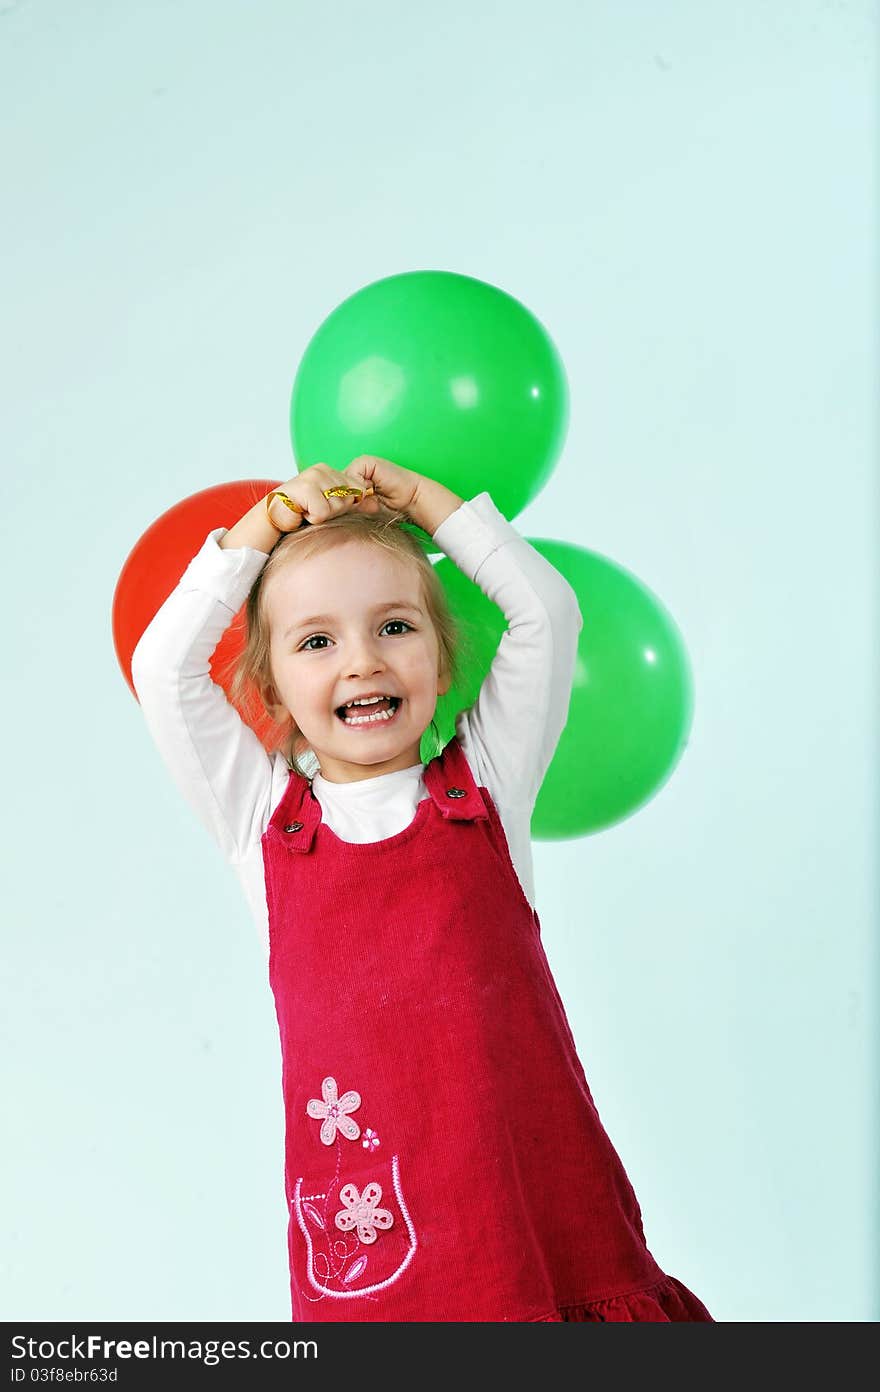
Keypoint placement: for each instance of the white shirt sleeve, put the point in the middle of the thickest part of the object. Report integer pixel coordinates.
(510, 734)
(214, 757)
(514, 725)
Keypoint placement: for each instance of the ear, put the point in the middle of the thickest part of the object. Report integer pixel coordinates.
(444, 682)
(274, 708)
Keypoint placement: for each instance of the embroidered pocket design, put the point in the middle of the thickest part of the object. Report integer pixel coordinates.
(362, 1211)
(358, 1236)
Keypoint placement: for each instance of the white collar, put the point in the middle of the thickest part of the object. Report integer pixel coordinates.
(364, 789)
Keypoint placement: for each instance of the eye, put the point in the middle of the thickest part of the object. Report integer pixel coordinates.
(322, 637)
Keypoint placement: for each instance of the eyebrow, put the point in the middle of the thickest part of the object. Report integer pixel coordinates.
(330, 618)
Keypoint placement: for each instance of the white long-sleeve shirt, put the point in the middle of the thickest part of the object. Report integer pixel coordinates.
(509, 735)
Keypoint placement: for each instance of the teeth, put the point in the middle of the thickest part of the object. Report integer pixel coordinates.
(368, 719)
(367, 701)
(376, 716)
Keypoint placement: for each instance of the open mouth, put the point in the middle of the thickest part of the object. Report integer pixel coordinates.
(376, 712)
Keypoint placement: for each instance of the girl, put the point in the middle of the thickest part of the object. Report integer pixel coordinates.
(444, 1158)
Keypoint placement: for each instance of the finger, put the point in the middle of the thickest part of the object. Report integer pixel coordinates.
(344, 484)
(319, 508)
(364, 467)
(332, 499)
(284, 512)
(345, 496)
(359, 479)
(368, 506)
(328, 492)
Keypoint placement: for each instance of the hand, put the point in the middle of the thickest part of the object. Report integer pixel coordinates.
(390, 486)
(307, 491)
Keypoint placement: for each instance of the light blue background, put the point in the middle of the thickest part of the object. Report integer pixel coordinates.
(684, 193)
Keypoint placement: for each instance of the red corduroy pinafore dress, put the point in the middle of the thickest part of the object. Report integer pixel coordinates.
(444, 1159)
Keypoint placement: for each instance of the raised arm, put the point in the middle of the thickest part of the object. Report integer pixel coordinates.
(512, 729)
(214, 757)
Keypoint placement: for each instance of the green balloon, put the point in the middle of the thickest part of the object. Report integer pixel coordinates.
(631, 705)
(440, 373)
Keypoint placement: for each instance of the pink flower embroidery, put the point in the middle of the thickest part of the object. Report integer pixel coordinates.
(333, 1110)
(361, 1212)
(371, 1140)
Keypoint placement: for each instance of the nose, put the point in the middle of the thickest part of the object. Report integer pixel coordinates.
(364, 658)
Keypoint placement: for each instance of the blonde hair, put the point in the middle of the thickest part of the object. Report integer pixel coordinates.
(251, 671)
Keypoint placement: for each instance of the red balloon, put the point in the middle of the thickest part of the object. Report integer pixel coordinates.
(155, 565)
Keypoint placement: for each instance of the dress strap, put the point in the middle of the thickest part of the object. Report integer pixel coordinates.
(453, 787)
(296, 818)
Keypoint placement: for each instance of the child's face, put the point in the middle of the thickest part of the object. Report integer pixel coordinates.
(373, 635)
